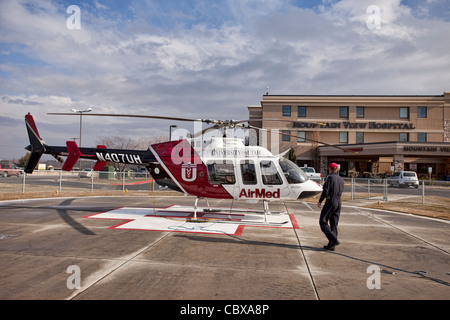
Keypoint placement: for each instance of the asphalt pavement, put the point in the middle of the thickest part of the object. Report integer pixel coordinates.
(117, 248)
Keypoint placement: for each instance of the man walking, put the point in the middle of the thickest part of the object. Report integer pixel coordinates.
(329, 216)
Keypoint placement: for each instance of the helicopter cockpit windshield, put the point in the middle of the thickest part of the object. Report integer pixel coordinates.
(292, 172)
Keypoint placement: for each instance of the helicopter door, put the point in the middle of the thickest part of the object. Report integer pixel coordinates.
(248, 173)
(272, 181)
(251, 186)
(221, 172)
(249, 182)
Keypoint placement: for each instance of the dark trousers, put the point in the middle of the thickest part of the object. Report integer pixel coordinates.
(329, 218)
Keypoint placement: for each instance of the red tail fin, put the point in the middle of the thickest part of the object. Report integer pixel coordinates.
(99, 165)
(31, 125)
(73, 155)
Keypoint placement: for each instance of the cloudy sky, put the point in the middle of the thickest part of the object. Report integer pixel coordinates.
(204, 59)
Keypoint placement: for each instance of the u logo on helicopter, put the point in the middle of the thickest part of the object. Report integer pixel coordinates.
(188, 172)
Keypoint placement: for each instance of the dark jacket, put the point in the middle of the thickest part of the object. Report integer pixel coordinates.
(333, 187)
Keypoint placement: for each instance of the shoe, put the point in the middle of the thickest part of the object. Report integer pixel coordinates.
(331, 245)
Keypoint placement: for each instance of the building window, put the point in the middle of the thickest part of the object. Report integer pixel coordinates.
(404, 113)
(421, 137)
(301, 136)
(286, 135)
(286, 111)
(343, 112)
(360, 137)
(343, 137)
(360, 112)
(301, 111)
(403, 137)
(421, 112)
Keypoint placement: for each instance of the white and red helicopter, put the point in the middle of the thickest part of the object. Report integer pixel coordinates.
(224, 168)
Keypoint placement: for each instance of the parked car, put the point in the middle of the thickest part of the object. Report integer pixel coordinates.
(311, 173)
(86, 173)
(8, 169)
(141, 172)
(404, 179)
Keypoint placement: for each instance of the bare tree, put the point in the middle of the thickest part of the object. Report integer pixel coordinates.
(116, 142)
(144, 142)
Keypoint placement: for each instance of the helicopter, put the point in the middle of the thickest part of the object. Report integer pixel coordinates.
(223, 168)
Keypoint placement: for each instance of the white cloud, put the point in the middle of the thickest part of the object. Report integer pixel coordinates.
(98, 5)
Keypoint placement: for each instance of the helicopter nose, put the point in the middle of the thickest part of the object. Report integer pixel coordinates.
(308, 194)
(313, 189)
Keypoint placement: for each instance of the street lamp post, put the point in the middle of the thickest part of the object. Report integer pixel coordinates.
(81, 123)
(170, 131)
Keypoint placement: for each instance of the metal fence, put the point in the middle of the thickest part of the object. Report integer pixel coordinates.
(59, 182)
(384, 189)
(62, 182)
(368, 188)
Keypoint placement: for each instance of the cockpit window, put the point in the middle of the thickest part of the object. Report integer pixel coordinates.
(292, 172)
(269, 173)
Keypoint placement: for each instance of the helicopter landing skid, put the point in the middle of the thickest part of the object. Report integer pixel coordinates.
(266, 212)
(255, 223)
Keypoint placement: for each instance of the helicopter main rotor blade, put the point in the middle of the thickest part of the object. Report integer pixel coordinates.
(217, 124)
(129, 116)
(306, 139)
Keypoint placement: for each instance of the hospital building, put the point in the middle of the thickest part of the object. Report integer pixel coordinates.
(366, 135)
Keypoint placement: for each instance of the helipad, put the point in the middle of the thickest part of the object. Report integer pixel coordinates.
(176, 218)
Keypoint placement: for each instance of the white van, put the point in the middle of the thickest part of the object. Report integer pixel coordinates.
(404, 179)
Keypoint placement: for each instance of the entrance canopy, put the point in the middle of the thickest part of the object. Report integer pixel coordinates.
(380, 158)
